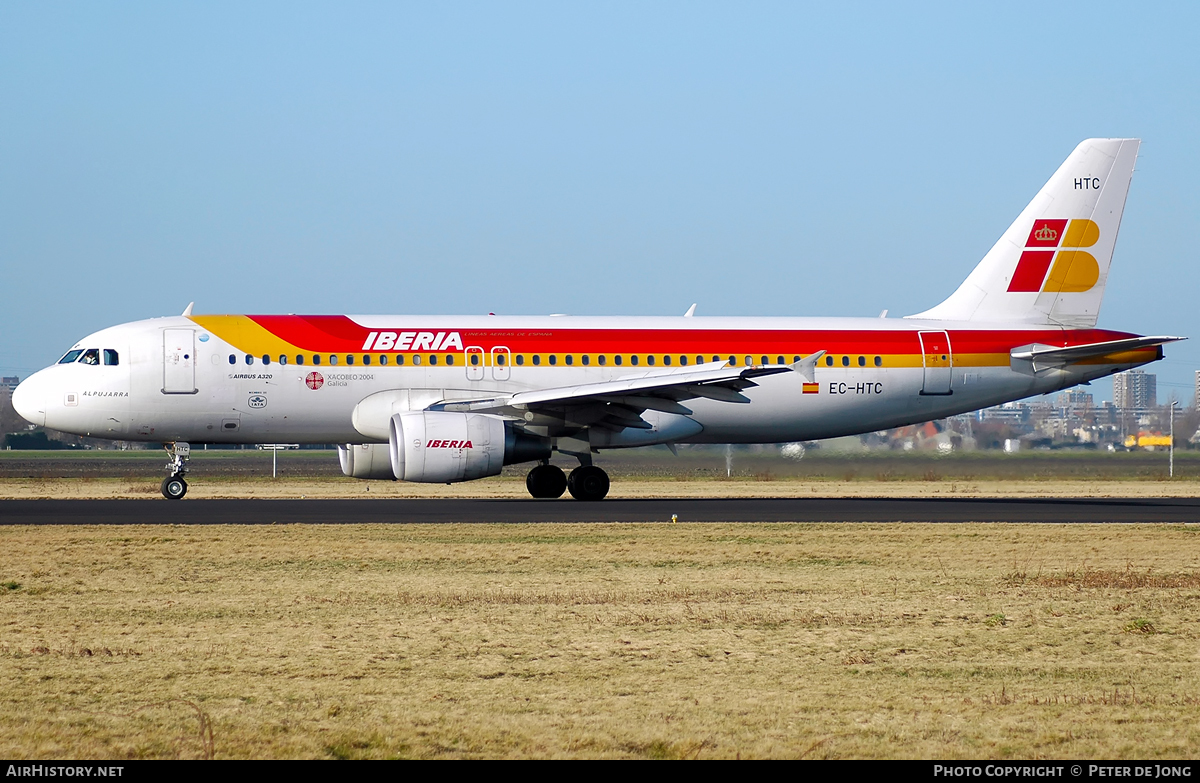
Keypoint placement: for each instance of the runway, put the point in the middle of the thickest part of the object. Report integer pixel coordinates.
(437, 511)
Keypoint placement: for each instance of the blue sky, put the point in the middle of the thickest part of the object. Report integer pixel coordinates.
(760, 159)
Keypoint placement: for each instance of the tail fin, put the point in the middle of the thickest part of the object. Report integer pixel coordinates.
(1051, 265)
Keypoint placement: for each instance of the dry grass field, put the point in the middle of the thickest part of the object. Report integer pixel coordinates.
(654, 640)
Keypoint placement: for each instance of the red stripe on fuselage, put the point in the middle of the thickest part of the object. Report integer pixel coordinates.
(340, 334)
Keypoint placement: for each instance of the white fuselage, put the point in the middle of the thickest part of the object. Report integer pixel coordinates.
(212, 384)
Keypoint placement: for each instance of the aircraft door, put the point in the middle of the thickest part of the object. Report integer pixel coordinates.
(179, 361)
(938, 362)
(474, 356)
(501, 361)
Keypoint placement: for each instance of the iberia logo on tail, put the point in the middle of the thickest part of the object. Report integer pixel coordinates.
(1053, 245)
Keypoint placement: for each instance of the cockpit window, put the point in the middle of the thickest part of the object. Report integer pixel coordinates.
(110, 357)
(70, 356)
(90, 356)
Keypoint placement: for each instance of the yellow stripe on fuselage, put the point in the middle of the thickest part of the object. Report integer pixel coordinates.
(244, 334)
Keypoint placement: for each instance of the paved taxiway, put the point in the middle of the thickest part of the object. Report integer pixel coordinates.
(266, 512)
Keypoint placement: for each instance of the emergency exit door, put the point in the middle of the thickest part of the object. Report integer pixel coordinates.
(179, 361)
(938, 362)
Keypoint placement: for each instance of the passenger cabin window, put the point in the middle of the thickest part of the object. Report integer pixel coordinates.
(282, 358)
(232, 359)
(845, 361)
(602, 359)
(667, 360)
(332, 359)
(633, 359)
(828, 361)
(500, 360)
(299, 358)
(617, 360)
(316, 359)
(520, 360)
(749, 360)
(570, 360)
(417, 359)
(366, 360)
(650, 360)
(383, 359)
(350, 359)
(553, 359)
(878, 361)
(266, 359)
(70, 356)
(683, 361)
(110, 357)
(90, 356)
(586, 360)
(764, 361)
(433, 358)
(862, 361)
(537, 359)
(475, 359)
(779, 360)
(733, 361)
(249, 359)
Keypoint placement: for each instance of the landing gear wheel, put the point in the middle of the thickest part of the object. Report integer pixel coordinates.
(174, 487)
(546, 481)
(588, 482)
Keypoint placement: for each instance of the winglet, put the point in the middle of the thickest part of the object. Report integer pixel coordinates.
(188, 310)
(691, 311)
(807, 366)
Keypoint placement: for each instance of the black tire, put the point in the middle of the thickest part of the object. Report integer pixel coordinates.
(588, 482)
(174, 487)
(546, 481)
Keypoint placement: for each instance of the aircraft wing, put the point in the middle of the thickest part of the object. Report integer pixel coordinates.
(619, 403)
(1042, 357)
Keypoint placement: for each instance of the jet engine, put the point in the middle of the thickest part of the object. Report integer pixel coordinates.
(443, 447)
(366, 460)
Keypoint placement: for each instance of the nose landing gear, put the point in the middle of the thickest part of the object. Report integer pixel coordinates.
(173, 486)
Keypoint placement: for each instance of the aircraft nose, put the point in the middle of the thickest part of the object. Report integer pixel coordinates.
(29, 400)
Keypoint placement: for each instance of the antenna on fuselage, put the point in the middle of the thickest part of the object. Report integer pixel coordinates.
(691, 311)
(188, 310)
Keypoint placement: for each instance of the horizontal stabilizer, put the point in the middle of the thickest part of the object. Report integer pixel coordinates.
(1043, 357)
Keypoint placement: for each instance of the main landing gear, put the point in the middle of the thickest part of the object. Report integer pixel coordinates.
(173, 486)
(586, 482)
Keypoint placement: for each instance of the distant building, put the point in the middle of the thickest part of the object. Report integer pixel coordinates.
(1135, 390)
(10, 381)
(1011, 412)
(1075, 400)
(1196, 403)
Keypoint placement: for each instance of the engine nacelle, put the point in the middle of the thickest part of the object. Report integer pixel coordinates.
(366, 461)
(441, 447)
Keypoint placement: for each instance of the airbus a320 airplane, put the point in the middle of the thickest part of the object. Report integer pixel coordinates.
(446, 399)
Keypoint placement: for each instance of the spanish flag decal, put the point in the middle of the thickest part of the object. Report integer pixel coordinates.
(812, 388)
